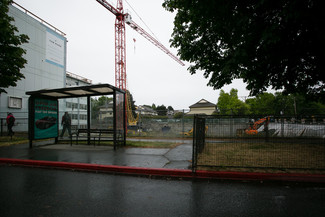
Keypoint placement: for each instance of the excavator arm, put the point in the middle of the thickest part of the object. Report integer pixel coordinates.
(253, 130)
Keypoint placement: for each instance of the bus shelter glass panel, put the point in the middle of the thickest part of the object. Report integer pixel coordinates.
(102, 112)
(120, 113)
(77, 110)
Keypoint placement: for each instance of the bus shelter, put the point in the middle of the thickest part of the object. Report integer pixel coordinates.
(43, 111)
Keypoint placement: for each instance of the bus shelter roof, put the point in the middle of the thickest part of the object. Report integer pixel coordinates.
(78, 91)
(75, 92)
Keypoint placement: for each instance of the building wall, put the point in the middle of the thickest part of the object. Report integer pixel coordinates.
(202, 110)
(46, 66)
(76, 107)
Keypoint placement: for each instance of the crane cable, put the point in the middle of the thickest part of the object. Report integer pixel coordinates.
(142, 21)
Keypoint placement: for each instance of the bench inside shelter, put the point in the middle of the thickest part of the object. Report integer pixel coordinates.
(96, 135)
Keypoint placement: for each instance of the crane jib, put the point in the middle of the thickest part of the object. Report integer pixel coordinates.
(128, 19)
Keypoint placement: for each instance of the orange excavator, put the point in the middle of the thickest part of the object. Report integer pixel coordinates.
(253, 129)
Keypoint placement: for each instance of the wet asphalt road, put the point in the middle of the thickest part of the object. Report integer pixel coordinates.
(45, 192)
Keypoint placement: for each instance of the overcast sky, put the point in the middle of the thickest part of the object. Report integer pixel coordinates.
(153, 77)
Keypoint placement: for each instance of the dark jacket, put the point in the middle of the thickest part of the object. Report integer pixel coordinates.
(66, 120)
(10, 120)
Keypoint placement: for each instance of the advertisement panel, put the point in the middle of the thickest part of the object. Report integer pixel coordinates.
(45, 118)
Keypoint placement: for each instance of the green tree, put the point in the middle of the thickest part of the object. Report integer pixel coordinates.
(179, 115)
(314, 108)
(295, 104)
(267, 43)
(261, 104)
(103, 100)
(284, 104)
(229, 104)
(161, 110)
(96, 103)
(11, 54)
(288, 105)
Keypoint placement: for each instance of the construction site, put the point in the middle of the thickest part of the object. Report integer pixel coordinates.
(82, 149)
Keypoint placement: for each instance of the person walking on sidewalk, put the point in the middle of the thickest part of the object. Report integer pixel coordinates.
(10, 123)
(66, 123)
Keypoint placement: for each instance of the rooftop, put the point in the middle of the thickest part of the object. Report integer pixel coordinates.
(202, 103)
(38, 18)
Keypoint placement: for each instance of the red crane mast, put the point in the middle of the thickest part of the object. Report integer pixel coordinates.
(120, 49)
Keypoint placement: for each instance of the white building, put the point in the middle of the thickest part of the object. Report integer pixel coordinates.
(76, 107)
(45, 69)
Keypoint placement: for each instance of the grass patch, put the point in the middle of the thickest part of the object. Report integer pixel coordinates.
(270, 156)
(145, 144)
(15, 140)
(130, 144)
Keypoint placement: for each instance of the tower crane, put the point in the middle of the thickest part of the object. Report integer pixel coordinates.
(120, 45)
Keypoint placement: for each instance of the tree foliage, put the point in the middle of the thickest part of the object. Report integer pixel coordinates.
(96, 103)
(268, 104)
(161, 110)
(262, 104)
(267, 43)
(11, 54)
(229, 104)
(179, 115)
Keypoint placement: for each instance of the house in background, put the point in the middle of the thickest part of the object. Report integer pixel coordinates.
(106, 110)
(202, 107)
(145, 110)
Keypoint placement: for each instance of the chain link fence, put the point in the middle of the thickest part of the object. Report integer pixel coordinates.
(254, 143)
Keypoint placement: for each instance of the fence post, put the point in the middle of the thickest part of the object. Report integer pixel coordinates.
(232, 126)
(1, 126)
(266, 129)
(198, 139)
(183, 124)
(194, 151)
(282, 126)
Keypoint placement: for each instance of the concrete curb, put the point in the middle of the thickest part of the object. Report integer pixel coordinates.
(174, 173)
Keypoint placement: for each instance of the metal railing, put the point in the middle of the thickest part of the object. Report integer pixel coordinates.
(38, 18)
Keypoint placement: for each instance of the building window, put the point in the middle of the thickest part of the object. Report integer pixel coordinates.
(15, 102)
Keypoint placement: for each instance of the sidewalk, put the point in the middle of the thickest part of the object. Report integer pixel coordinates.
(175, 158)
(174, 162)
